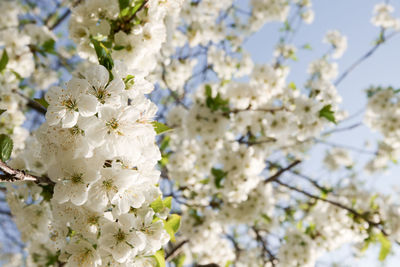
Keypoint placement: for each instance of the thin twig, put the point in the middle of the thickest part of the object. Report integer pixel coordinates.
(272, 258)
(31, 103)
(356, 149)
(281, 171)
(175, 251)
(11, 175)
(347, 128)
(362, 59)
(377, 225)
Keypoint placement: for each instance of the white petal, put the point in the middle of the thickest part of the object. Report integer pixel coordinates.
(70, 119)
(79, 194)
(54, 114)
(97, 76)
(60, 195)
(116, 86)
(77, 87)
(87, 105)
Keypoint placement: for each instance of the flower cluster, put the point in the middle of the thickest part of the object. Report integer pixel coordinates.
(100, 154)
(133, 31)
(338, 41)
(383, 17)
(382, 115)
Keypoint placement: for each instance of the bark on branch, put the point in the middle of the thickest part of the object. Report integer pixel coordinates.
(12, 175)
(281, 171)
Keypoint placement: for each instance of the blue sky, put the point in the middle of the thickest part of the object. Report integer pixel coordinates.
(352, 18)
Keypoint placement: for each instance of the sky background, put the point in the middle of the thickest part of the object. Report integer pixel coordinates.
(352, 18)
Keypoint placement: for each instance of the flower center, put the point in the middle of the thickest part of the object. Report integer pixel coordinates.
(108, 185)
(101, 94)
(69, 104)
(77, 178)
(120, 236)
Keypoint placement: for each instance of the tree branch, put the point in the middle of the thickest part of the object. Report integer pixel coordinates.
(11, 175)
(175, 251)
(363, 58)
(377, 225)
(30, 102)
(281, 171)
(272, 258)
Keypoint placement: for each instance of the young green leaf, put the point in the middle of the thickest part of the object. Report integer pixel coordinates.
(103, 54)
(327, 113)
(307, 47)
(42, 102)
(167, 202)
(123, 4)
(129, 81)
(3, 60)
(160, 127)
(385, 246)
(157, 205)
(160, 258)
(179, 260)
(292, 86)
(2, 111)
(172, 225)
(219, 175)
(6, 146)
(208, 90)
(49, 46)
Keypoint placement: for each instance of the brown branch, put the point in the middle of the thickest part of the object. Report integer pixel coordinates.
(61, 18)
(31, 103)
(364, 57)
(175, 251)
(355, 149)
(11, 175)
(281, 171)
(272, 258)
(312, 181)
(272, 110)
(363, 216)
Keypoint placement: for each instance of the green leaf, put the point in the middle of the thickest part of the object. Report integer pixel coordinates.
(138, 4)
(164, 160)
(47, 192)
(129, 9)
(157, 205)
(2, 111)
(327, 113)
(215, 103)
(103, 54)
(160, 258)
(167, 202)
(118, 47)
(172, 224)
(6, 146)
(123, 4)
(292, 86)
(42, 102)
(219, 175)
(307, 47)
(160, 127)
(385, 246)
(165, 143)
(3, 60)
(204, 181)
(49, 46)
(179, 260)
(129, 81)
(208, 90)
